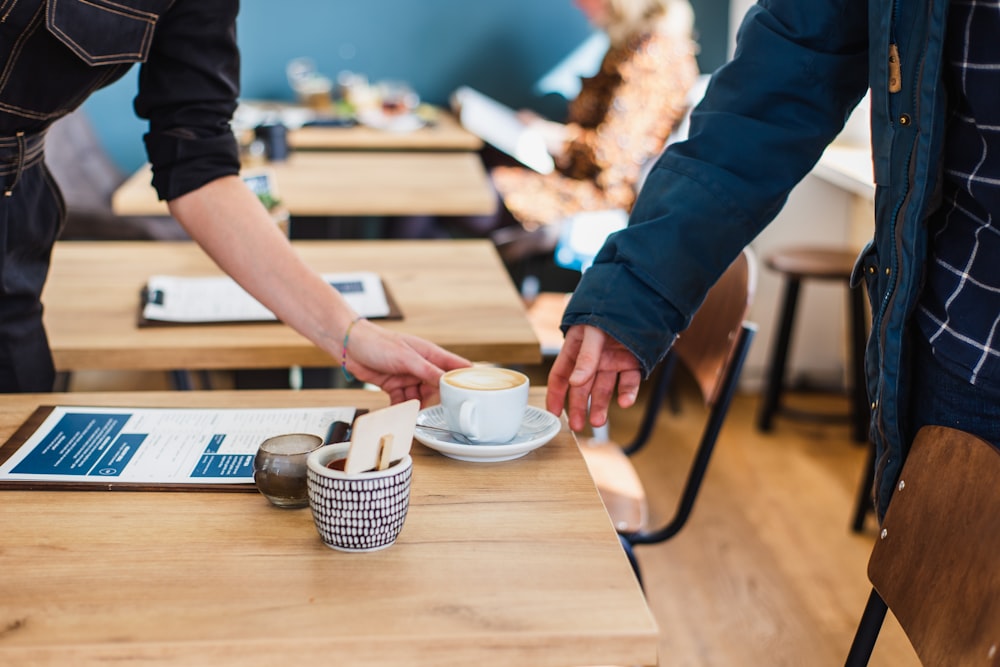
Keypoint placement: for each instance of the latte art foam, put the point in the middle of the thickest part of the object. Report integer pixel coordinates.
(484, 378)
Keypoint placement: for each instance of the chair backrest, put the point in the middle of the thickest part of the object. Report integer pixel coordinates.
(707, 345)
(713, 348)
(936, 563)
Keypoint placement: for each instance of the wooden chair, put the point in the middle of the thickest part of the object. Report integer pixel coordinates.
(712, 349)
(935, 562)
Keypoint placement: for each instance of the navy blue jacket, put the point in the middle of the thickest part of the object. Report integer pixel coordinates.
(800, 67)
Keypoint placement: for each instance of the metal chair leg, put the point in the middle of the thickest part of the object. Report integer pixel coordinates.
(864, 503)
(632, 560)
(868, 629)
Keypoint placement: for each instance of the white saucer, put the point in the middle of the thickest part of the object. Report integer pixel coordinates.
(537, 429)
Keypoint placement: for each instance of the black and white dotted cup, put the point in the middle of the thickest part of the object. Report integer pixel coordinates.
(360, 512)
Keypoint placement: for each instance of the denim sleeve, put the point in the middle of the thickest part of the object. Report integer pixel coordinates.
(188, 89)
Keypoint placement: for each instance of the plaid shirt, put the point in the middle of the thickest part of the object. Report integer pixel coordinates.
(959, 311)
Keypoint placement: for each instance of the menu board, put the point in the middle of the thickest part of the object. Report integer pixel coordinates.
(153, 448)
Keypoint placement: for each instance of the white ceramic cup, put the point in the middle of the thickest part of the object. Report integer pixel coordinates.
(361, 512)
(484, 403)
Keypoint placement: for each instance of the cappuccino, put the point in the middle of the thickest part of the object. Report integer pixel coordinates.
(484, 403)
(484, 378)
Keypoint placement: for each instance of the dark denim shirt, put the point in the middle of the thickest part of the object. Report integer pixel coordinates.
(55, 53)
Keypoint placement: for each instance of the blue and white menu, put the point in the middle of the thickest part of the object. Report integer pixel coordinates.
(158, 445)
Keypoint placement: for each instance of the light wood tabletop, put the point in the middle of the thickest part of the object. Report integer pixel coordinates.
(355, 183)
(444, 134)
(440, 131)
(498, 564)
(455, 293)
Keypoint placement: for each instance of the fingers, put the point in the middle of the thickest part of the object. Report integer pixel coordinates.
(428, 362)
(562, 367)
(412, 391)
(588, 357)
(428, 395)
(396, 394)
(600, 396)
(436, 355)
(403, 366)
(628, 387)
(585, 374)
(581, 380)
(405, 389)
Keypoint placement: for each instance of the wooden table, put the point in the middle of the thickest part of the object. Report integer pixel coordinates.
(355, 183)
(453, 292)
(499, 564)
(444, 132)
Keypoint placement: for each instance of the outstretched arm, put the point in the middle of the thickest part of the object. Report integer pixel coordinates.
(232, 226)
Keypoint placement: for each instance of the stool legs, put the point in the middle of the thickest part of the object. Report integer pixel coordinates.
(772, 399)
(779, 356)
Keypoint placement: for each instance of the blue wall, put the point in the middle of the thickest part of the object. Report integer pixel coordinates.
(502, 48)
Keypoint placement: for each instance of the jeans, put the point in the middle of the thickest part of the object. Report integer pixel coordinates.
(30, 219)
(940, 397)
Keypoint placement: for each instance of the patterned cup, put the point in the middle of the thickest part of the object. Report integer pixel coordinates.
(362, 512)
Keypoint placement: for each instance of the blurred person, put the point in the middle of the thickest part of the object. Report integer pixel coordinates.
(931, 270)
(54, 56)
(618, 122)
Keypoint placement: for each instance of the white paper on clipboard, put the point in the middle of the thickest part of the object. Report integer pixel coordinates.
(192, 300)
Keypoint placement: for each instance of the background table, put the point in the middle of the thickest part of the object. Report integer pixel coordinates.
(511, 563)
(355, 183)
(453, 292)
(443, 133)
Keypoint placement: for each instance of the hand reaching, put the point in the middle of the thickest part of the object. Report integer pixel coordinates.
(589, 366)
(402, 365)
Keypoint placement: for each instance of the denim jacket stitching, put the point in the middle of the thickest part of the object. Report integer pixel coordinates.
(148, 18)
(6, 7)
(22, 39)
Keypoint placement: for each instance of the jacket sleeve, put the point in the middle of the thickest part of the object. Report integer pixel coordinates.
(188, 89)
(798, 71)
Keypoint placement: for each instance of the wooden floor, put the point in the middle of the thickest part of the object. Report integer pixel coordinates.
(767, 572)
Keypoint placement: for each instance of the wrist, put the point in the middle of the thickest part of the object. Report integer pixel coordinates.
(344, 345)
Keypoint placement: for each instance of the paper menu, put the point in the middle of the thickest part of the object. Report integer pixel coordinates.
(154, 447)
(192, 300)
(499, 126)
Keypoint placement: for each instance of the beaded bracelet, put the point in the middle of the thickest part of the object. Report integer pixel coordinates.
(343, 352)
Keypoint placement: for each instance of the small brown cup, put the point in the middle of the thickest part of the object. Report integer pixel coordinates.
(279, 468)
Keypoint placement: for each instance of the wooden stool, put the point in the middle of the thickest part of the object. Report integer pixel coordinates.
(816, 263)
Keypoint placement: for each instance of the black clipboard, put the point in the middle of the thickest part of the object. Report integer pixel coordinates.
(146, 295)
(339, 432)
